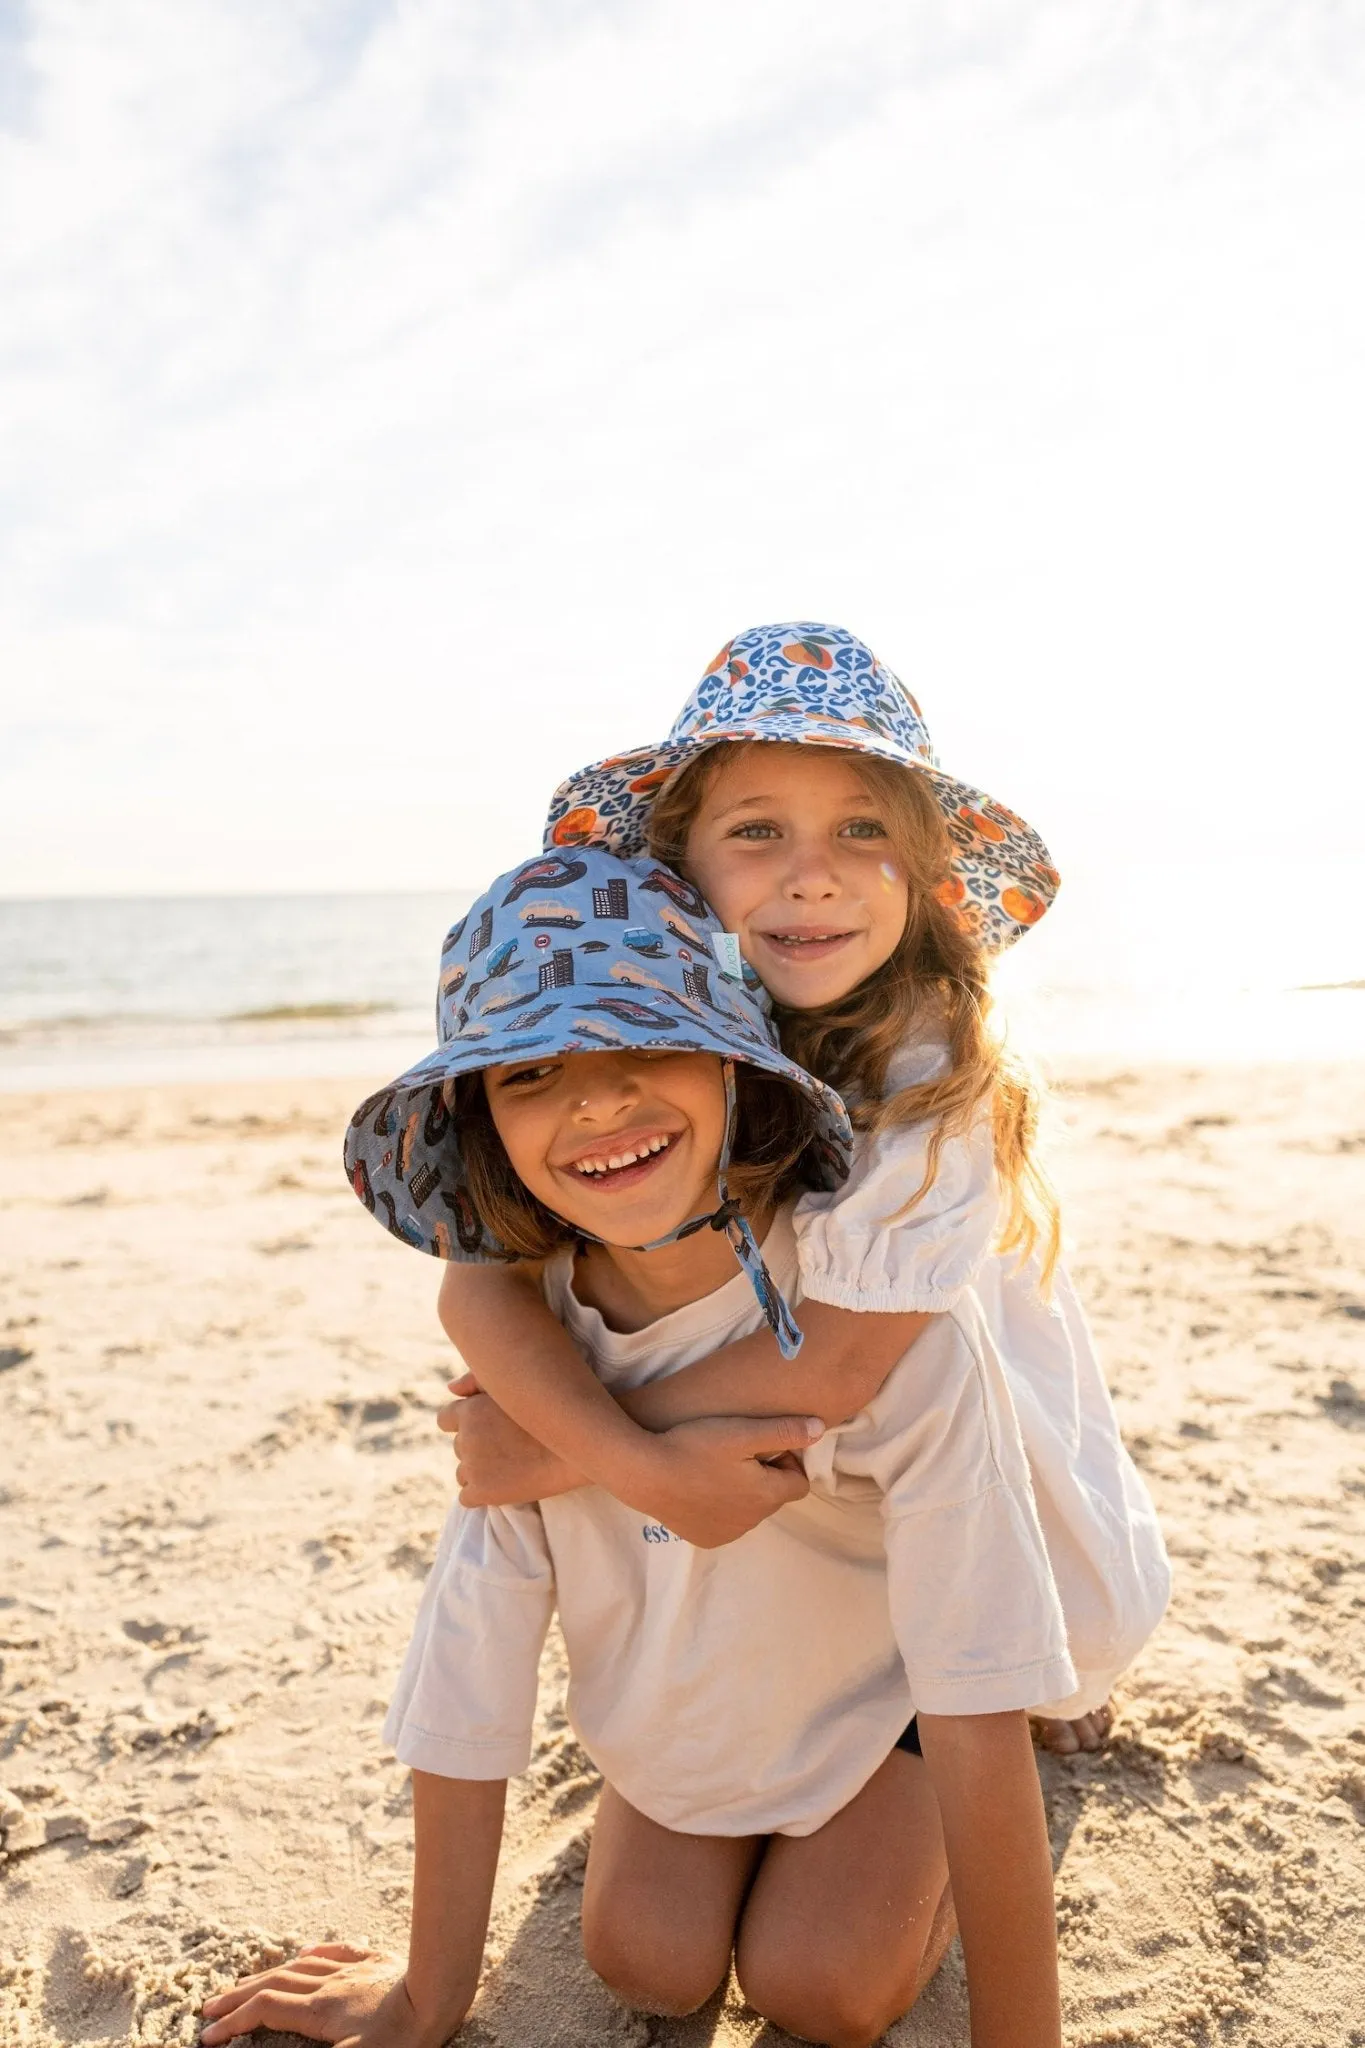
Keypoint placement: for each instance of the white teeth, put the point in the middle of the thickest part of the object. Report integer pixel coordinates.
(618, 1160)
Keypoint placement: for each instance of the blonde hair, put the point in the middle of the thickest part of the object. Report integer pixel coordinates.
(934, 983)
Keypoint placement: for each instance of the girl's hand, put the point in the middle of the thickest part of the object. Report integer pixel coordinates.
(500, 1465)
(708, 1481)
(717, 1478)
(352, 1996)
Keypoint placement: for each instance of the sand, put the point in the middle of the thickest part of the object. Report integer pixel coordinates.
(221, 1486)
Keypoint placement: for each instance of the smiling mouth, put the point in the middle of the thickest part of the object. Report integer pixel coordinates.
(623, 1164)
(807, 942)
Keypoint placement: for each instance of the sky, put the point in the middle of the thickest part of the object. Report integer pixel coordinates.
(401, 400)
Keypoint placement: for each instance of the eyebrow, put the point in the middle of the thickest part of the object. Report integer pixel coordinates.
(746, 803)
(755, 803)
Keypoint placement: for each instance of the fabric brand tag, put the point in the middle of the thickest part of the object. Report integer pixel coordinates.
(729, 959)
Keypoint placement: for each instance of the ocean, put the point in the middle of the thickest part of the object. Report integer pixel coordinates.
(103, 991)
(1134, 962)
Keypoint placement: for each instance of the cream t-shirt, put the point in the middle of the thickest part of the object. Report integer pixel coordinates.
(755, 1688)
(1103, 1539)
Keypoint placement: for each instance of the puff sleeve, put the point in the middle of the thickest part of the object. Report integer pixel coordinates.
(465, 1702)
(856, 1249)
(854, 1253)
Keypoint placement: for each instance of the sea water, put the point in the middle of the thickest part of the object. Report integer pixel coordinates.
(1136, 961)
(95, 992)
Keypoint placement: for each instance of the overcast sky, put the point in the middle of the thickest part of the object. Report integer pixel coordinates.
(400, 400)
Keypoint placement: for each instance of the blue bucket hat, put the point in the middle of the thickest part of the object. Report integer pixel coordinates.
(814, 685)
(575, 952)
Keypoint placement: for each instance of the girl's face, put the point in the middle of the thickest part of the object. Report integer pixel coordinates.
(792, 850)
(624, 1145)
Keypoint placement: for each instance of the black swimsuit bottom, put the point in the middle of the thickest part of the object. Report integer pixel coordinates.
(910, 1739)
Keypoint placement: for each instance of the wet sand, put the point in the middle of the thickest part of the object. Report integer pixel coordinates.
(220, 1487)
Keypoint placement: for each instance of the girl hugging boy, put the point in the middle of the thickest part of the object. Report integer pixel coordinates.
(823, 1532)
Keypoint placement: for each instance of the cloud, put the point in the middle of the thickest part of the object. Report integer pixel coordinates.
(398, 403)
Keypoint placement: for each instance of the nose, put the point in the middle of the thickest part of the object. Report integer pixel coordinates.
(810, 875)
(601, 1085)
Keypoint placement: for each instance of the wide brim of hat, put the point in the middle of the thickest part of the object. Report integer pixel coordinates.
(1003, 879)
(401, 1149)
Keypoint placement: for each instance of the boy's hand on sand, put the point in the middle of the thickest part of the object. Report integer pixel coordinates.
(499, 1464)
(717, 1478)
(355, 1997)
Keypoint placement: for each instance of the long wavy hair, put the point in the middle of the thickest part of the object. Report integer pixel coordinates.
(935, 985)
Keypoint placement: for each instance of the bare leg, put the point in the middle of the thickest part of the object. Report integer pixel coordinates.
(843, 1928)
(659, 1907)
(1065, 1738)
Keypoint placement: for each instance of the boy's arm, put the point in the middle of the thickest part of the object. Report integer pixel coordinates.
(1000, 1867)
(349, 1995)
(457, 1825)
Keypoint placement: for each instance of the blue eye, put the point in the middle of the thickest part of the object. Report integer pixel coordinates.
(754, 828)
(865, 828)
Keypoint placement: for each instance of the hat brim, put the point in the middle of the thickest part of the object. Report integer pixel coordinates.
(402, 1147)
(1002, 879)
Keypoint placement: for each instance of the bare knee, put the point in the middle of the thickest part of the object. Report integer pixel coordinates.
(813, 1998)
(649, 1968)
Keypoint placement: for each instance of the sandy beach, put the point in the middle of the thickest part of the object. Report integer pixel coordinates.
(220, 1486)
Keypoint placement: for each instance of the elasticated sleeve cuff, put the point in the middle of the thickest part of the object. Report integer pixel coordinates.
(887, 1299)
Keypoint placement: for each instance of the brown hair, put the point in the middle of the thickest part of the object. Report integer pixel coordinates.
(935, 983)
(776, 1129)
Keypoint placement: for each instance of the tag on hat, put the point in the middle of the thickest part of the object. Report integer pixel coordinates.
(729, 959)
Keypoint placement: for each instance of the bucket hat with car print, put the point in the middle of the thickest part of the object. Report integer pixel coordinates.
(576, 951)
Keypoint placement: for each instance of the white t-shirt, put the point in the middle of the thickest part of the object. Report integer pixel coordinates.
(1097, 1517)
(755, 1688)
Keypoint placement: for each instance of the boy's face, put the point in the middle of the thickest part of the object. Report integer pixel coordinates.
(569, 1125)
(792, 850)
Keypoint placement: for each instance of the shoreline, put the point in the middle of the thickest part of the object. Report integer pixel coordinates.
(1058, 1029)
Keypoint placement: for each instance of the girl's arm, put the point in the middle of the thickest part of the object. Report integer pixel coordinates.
(522, 1357)
(1000, 1866)
(706, 1482)
(838, 1370)
(520, 1353)
(345, 1995)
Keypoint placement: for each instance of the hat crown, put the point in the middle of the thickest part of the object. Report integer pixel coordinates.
(575, 951)
(807, 684)
(586, 951)
(799, 673)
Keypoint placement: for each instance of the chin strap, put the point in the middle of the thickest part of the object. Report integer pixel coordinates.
(743, 1243)
(745, 1247)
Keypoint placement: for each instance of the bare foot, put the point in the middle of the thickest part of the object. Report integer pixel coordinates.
(1067, 1738)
